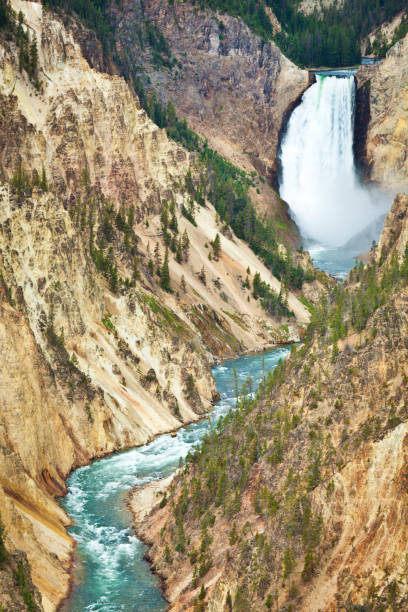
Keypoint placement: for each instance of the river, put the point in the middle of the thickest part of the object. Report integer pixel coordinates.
(110, 574)
(338, 218)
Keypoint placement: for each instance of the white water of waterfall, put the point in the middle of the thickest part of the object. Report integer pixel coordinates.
(319, 180)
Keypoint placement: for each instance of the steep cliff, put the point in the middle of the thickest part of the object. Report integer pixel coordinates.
(99, 352)
(232, 88)
(298, 500)
(387, 136)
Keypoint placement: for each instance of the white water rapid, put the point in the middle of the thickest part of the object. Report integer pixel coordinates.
(319, 180)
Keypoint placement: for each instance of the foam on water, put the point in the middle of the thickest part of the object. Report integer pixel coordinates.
(110, 573)
(319, 179)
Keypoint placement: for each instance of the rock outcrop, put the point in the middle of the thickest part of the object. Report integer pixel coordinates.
(386, 145)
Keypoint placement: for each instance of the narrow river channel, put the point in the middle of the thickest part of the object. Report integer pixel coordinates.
(110, 573)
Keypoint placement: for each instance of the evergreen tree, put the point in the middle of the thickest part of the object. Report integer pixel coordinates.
(179, 253)
(202, 276)
(165, 273)
(185, 245)
(216, 245)
(3, 550)
(164, 219)
(33, 57)
(44, 182)
(157, 258)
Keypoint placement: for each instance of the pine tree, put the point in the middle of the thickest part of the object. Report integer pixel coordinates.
(183, 284)
(165, 273)
(136, 271)
(44, 182)
(256, 284)
(164, 218)
(216, 245)
(185, 245)
(173, 223)
(173, 244)
(3, 550)
(179, 253)
(202, 276)
(114, 279)
(33, 57)
(157, 258)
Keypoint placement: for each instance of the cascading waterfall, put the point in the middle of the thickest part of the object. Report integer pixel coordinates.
(319, 180)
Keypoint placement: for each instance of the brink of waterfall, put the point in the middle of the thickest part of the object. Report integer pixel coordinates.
(319, 179)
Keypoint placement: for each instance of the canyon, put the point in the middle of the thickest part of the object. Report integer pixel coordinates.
(312, 474)
(88, 370)
(384, 85)
(97, 356)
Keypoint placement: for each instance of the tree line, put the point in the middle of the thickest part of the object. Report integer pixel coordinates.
(330, 36)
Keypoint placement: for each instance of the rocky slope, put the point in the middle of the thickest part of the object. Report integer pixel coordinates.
(386, 30)
(299, 502)
(95, 355)
(220, 71)
(386, 144)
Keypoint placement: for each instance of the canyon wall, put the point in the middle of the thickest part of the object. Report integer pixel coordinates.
(230, 86)
(96, 356)
(311, 514)
(386, 143)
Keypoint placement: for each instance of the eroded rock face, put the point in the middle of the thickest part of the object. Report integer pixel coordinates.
(230, 86)
(394, 236)
(321, 523)
(88, 368)
(387, 136)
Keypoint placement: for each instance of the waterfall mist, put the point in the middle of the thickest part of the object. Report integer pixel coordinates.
(319, 180)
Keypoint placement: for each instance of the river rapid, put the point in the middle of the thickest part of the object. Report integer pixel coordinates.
(110, 574)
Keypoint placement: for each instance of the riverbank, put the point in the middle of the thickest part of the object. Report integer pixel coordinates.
(110, 570)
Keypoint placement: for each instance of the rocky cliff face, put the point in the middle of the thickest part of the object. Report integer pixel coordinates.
(312, 513)
(96, 357)
(387, 136)
(230, 86)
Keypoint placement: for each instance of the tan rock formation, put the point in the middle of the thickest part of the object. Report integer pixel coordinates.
(387, 137)
(231, 87)
(87, 370)
(321, 523)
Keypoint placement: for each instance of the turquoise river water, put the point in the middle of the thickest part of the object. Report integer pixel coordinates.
(110, 574)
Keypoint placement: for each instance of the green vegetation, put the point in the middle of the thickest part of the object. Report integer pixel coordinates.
(226, 186)
(107, 230)
(23, 581)
(380, 46)
(166, 317)
(328, 37)
(93, 13)
(275, 304)
(347, 310)
(222, 183)
(251, 453)
(15, 29)
(24, 185)
(3, 550)
(164, 273)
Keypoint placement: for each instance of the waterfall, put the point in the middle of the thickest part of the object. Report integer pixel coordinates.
(318, 179)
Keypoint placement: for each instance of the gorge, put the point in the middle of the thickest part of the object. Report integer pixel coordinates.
(111, 573)
(178, 198)
(320, 183)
